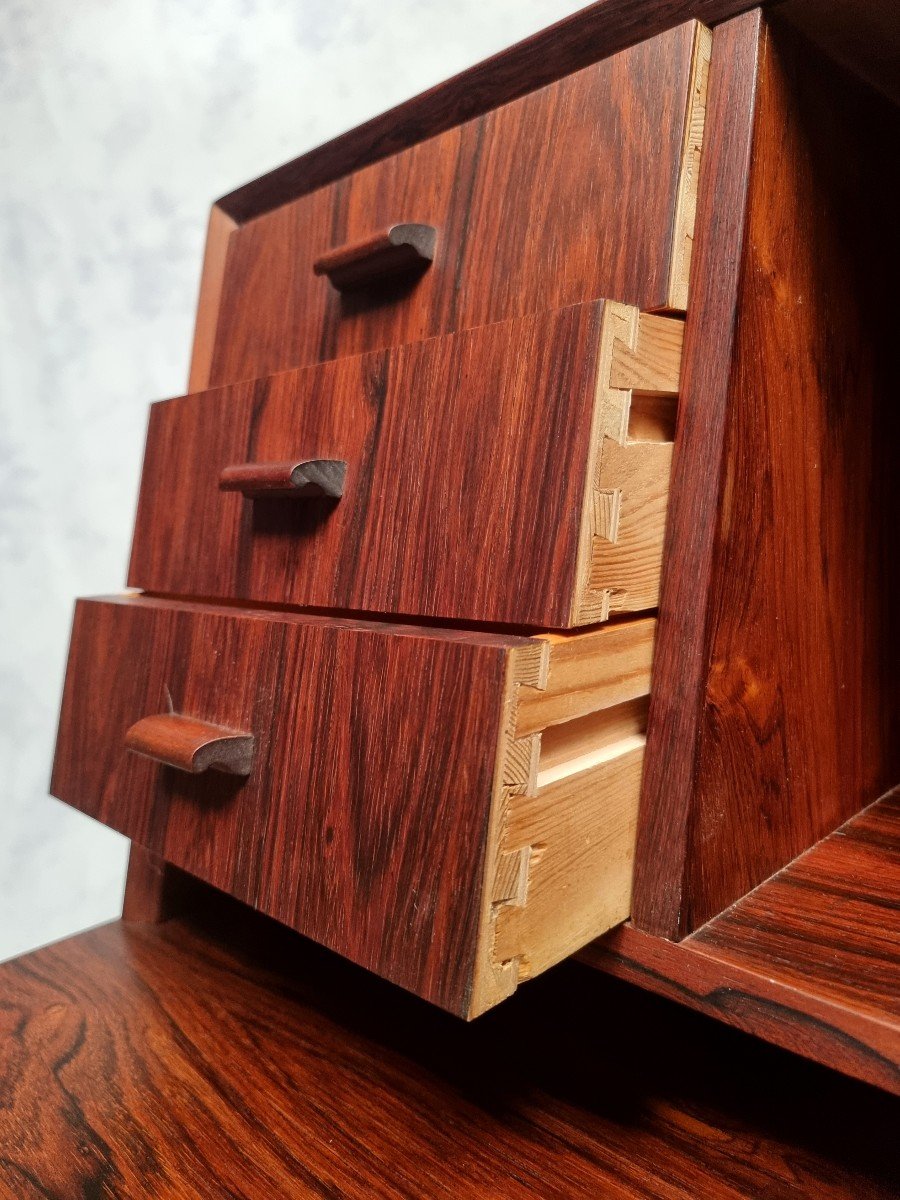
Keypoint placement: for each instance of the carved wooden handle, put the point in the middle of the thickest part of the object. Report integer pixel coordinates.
(191, 745)
(313, 477)
(394, 251)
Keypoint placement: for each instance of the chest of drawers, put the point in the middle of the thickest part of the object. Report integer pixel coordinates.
(439, 395)
(486, 405)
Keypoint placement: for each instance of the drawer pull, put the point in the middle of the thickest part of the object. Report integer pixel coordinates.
(191, 745)
(297, 480)
(398, 250)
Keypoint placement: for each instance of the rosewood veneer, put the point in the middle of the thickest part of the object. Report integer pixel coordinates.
(586, 352)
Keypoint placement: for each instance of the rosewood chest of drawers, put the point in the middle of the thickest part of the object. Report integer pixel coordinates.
(485, 405)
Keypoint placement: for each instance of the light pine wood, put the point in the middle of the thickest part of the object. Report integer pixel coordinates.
(599, 668)
(652, 364)
(577, 837)
(561, 835)
(626, 489)
(686, 204)
(580, 744)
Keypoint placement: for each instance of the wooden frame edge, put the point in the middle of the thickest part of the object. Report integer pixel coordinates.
(218, 233)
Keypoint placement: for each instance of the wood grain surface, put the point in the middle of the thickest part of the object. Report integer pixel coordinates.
(564, 196)
(776, 696)
(475, 466)
(363, 821)
(810, 960)
(394, 809)
(594, 33)
(151, 888)
(397, 250)
(186, 744)
(467, 459)
(174, 1063)
(680, 662)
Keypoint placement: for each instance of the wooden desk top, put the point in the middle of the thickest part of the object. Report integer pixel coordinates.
(161, 1061)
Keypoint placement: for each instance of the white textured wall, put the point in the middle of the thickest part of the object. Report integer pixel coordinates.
(120, 122)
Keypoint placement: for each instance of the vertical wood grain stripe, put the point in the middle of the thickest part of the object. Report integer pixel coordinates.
(682, 639)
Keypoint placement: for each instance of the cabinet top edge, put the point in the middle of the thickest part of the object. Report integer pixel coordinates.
(595, 33)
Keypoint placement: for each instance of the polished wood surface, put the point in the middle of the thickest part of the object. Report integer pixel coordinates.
(489, 477)
(689, 550)
(776, 693)
(178, 1062)
(334, 831)
(183, 742)
(396, 809)
(594, 33)
(778, 669)
(577, 191)
(313, 477)
(150, 887)
(397, 250)
(218, 233)
(810, 960)
(862, 35)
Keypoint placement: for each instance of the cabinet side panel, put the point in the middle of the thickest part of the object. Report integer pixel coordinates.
(794, 671)
(680, 661)
(799, 723)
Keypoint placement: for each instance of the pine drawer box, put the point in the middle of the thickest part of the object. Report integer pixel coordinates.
(454, 810)
(513, 473)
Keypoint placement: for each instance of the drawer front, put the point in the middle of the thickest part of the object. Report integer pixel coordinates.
(372, 786)
(487, 475)
(580, 190)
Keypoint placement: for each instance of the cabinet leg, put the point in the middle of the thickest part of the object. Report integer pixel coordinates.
(151, 888)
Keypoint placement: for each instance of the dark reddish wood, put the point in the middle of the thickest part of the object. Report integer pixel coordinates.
(863, 35)
(190, 745)
(564, 196)
(148, 891)
(399, 249)
(680, 658)
(215, 255)
(830, 921)
(777, 664)
(598, 31)
(375, 853)
(810, 960)
(298, 480)
(174, 1062)
(467, 458)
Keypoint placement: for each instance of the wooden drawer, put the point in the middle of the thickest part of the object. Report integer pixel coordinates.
(582, 189)
(515, 473)
(453, 810)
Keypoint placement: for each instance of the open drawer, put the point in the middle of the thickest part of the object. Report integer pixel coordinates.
(580, 189)
(453, 810)
(517, 473)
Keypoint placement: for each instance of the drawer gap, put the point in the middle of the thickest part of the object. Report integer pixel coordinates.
(587, 741)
